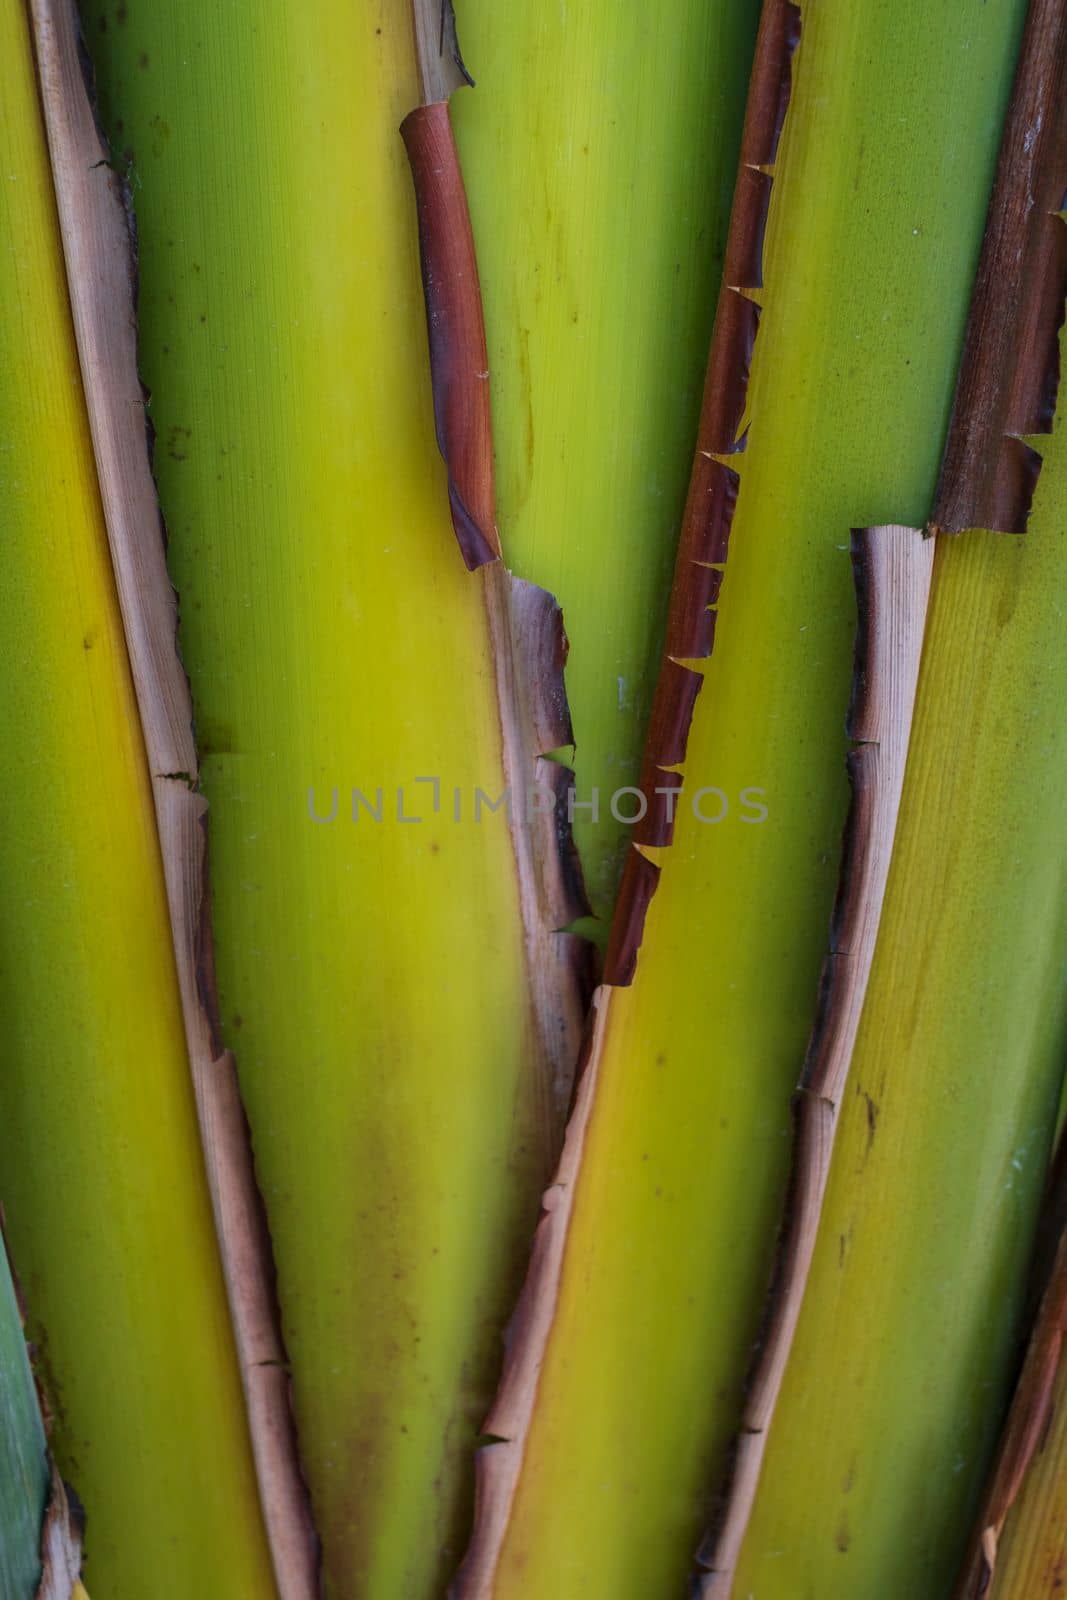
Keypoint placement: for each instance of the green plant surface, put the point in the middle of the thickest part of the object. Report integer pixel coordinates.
(908, 1339)
(599, 150)
(104, 1198)
(24, 1476)
(371, 973)
(873, 236)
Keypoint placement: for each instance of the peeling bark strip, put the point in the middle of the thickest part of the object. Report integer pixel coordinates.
(1025, 1430)
(1007, 387)
(441, 66)
(459, 363)
(499, 1465)
(61, 1547)
(1009, 373)
(100, 273)
(893, 567)
(534, 719)
(526, 633)
(715, 482)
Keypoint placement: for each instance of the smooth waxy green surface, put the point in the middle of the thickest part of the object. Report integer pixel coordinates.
(599, 150)
(874, 232)
(907, 1344)
(371, 972)
(105, 1203)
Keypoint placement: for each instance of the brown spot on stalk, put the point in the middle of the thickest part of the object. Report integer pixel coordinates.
(101, 272)
(1009, 374)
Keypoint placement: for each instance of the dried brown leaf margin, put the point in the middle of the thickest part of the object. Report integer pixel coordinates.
(61, 1546)
(893, 567)
(1025, 1430)
(1007, 385)
(101, 274)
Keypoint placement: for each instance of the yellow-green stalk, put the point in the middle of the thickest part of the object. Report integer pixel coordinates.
(680, 1152)
(101, 1179)
(405, 1100)
(599, 149)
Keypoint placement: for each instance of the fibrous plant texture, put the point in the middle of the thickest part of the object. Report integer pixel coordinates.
(532, 942)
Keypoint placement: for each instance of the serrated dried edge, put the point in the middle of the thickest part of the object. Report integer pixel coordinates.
(702, 548)
(101, 275)
(1028, 1418)
(1009, 373)
(714, 484)
(526, 633)
(497, 1465)
(893, 567)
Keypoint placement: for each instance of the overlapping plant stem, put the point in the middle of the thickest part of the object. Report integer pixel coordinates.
(650, 1265)
(599, 152)
(101, 271)
(1031, 1546)
(956, 812)
(101, 1179)
(527, 643)
(1011, 366)
(1008, 315)
(405, 1054)
(690, 632)
(1023, 1510)
(955, 1086)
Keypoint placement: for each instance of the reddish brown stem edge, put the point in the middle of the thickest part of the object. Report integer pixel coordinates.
(100, 255)
(1031, 1406)
(713, 486)
(1010, 369)
(702, 550)
(527, 637)
(459, 362)
(893, 568)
